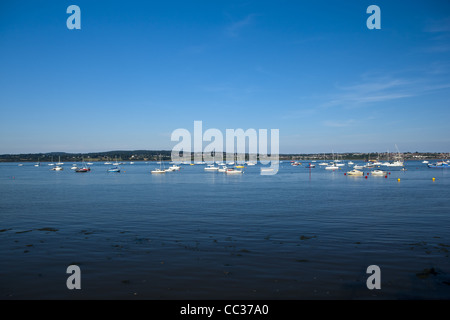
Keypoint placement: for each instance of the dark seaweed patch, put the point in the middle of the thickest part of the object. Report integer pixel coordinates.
(426, 273)
(23, 231)
(47, 229)
(306, 237)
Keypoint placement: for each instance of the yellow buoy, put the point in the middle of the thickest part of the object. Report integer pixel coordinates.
(398, 179)
(434, 179)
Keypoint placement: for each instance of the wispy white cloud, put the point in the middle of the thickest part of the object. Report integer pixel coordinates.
(440, 35)
(386, 88)
(438, 26)
(236, 27)
(375, 90)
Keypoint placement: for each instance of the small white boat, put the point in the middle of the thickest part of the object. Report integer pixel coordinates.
(211, 167)
(223, 169)
(355, 172)
(323, 164)
(74, 167)
(350, 163)
(57, 168)
(332, 167)
(424, 161)
(378, 173)
(358, 167)
(251, 163)
(233, 171)
(394, 164)
(174, 167)
(158, 171)
(20, 165)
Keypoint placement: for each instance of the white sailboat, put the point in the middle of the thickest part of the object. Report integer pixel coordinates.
(223, 169)
(233, 171)
(332, 166)
(211, 168)
(159, 170)
(396, 163)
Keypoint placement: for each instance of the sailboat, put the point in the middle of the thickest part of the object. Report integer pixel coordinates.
(58, 166)
(211, 167)
(114, 169)
(37, 164)
(396, 163)
(234, 170)
(160, 170)
(223, 169)
(323, 163)
(84, 168)
(332, 166)
(173, 167)
(59, 162)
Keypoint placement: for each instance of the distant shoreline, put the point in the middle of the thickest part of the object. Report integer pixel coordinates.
(165, 155)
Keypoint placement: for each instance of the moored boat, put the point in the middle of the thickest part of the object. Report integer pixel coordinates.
(355, 172)
(233, 171)
(378, 173)
(439, 164)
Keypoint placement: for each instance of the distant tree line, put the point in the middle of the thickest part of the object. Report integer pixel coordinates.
(165, 155)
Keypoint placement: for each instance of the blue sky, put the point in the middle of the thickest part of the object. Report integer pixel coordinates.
(138, 70)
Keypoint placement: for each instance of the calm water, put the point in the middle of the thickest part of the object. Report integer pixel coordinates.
(200, 235)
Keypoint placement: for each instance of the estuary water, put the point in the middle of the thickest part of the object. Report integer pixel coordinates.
(191, 234)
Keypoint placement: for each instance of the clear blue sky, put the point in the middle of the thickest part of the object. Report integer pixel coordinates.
(137, 70)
